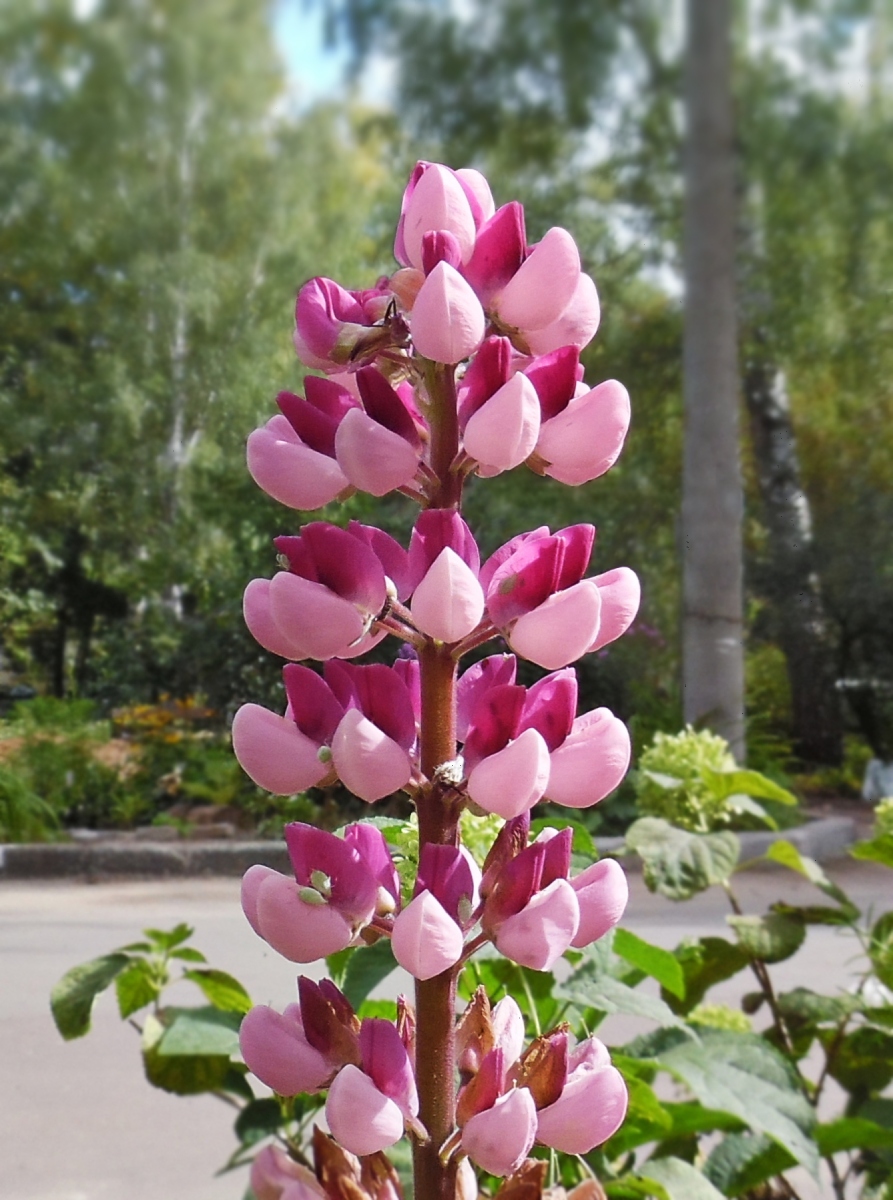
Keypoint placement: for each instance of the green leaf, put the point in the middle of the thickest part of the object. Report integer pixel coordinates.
(770, 939)
(705, 962)
(366, 969)
(881, 948)
(879, 850)
(750, 783)
(136, 987)
(533, 990)
(801, 1004)
(787, 854)
(199, 1031)
(646, 1120)
(184, 1075)
(589, 988)
(71, 1000)
(745, 805)
(386, 1009)
(221, 989)
(583, 844)
(336, 964)
(167, 939)
(679, 864)
(862, 1060)
(258, 1120)
(660, 964)
(678, 1179)
(852, 1133)
(742, 1161)
(815, 914)
(188, 954)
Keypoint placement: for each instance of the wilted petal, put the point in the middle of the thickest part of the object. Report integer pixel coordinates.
(576, 326)
(561, 629)
(325, 624)
(449, 602)
(369, 763)
(511, 781)
(299, 931)
(373, 459)
(537, 936)
(621, 593)
(585, 439)
(499, 1138)
(291, 472)
(273, 1171)
(447, 320)
(602, 892)
(592, 760)
(438, 202)
(503, 432)
(589, 1111)
(257, 611)
(542, 287)
(276, 1051)
(274, 753)
(361, 1118)
(426, 940)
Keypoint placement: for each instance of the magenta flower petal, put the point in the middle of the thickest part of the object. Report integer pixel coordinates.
(537, 936)
(494, 671)
(298, 931)
(602, 893)
(369, 843)
(511, 781)
(451, 875)
(490, 368)
(435, 530)
(556, 377)
(379, 693)
(551, 705)
(561, 629)
(308, 613)
(438, 202)
(311, 703)
(500, 1138)
(498, 251)
(589, 1111)
(591, 761)
(275, 1049)
(369, 763)
(440, 246)
(373, 459)
(291, 472)
(348, 566)
(388, 1065)
(274, 753)
(576, 326)
(426, 940)
(447, 319)
(503, 432)
(361, 1118)
(621, 593)
(258, 614)
(352, 886)
(585, 440)
(393, 558)
(449, 602)
(543, 285)
(494, 722)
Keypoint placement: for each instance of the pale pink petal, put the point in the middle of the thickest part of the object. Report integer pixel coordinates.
(438, 202)
(426, 940)
(621, 593)
(275, 1049)
(447, 319)
(366, 642)
(258, 615)
(324, 623)
(585, 440)
(591, 1053)
(561, 629)
(589, 1111)
(602, 893)
(508, 1029)
(374, 459)
(291, 472)
(369, 763)
(540, 933)
(540, 290)
(299, 931)
(362, 1119)
(273, 1171)
(576, 326)
(591, 761)
(251, 881)
(466, 1181)
(499, 1138)
(511, 781)
(449, 601)
(478, 191)
(504, 431)
(274, 753)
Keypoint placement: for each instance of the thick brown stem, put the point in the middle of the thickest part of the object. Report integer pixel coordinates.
(440, 381)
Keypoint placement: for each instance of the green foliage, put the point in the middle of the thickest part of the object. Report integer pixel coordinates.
(677, 863)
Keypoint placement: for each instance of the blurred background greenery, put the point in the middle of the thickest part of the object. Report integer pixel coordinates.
(164, 190)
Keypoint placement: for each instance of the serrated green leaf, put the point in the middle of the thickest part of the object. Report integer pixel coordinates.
(71, 1000)
(750, 783)
(742, 1161)
(366, 969)
(678, 1179)
(206, 1031)
(772, 938)
(136, 987)
(805, 1005)
(852, 1133)
(587, 989)
(705, 962)
(258, 1120)
(660, 964)
(879, 850)
(679, 864)
(862, 1059)
(221, 989)
(184, 1075)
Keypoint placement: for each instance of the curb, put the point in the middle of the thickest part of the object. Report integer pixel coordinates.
(822, 840)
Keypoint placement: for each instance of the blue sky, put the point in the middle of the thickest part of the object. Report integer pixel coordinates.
(315, 70)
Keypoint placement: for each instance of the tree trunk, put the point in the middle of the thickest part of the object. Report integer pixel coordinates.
(796, 594)
(712, 504)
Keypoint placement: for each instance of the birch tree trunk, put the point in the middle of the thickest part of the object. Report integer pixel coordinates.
(712, 504)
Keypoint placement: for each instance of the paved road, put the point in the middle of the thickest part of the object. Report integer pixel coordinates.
(77, 1120)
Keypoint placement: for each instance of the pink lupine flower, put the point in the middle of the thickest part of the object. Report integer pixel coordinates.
(378, 446)
(273, 1171)
(438, 199)
(498, 1138)
(499, 251)
(591, 1106)
(602, 893)
(428, 937)
(367, 1107)
(447, 320)
(503, 432)
(576, 326)
(447, 601)
(585, 438)
(335, 328)
(620, 593)
(493, 671)
(371, 747)
(591, 760)
(541, 288)
(275, 1049)
(507, 761)
(333, 895)
(258, 614)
